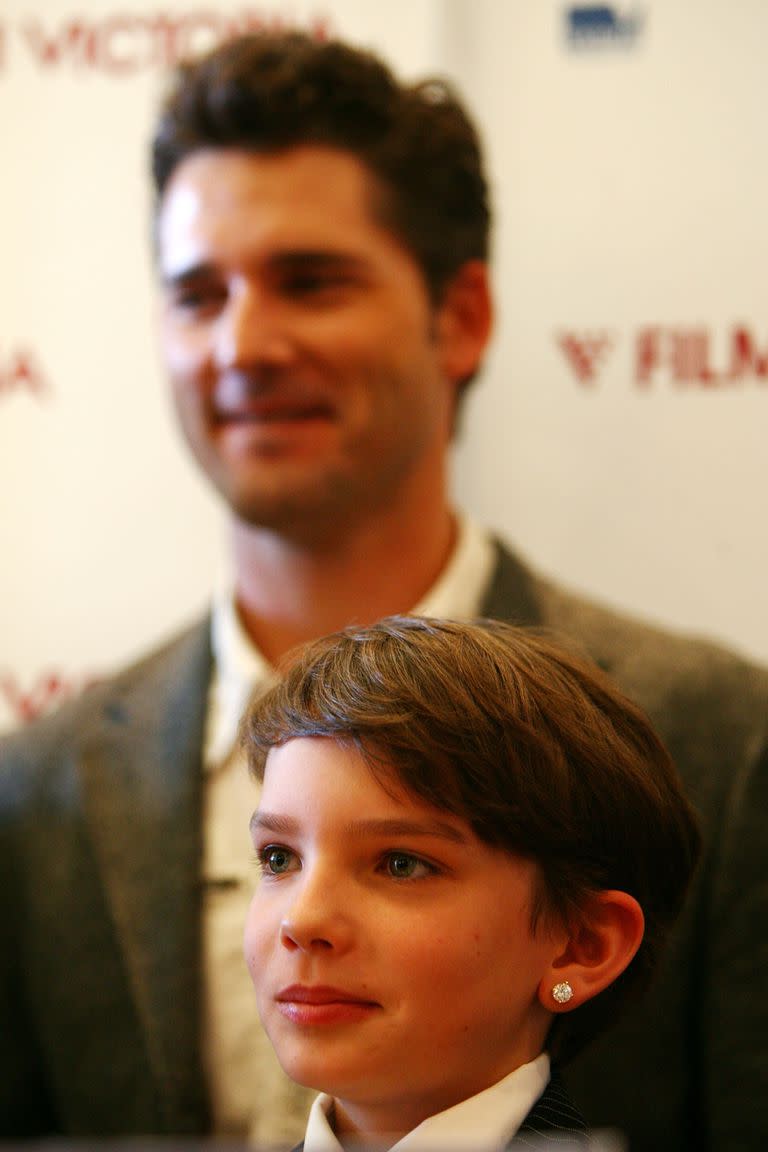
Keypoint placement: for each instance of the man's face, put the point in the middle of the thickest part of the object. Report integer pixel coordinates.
(391, 950)
(302, 347)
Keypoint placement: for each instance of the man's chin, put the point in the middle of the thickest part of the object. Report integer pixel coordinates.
(306, 515)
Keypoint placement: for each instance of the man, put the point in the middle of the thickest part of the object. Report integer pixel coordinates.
(322, 244)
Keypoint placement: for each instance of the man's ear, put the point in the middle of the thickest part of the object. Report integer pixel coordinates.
(601, 945)
(464, 320)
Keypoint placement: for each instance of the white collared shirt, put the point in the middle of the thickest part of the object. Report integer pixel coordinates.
(483, 1123)
(239, 667)
(251, 1096)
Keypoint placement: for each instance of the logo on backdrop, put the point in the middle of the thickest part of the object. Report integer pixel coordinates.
(693, 357)
(20, 371)
(602, 25)
(585, 351)
(25, 703)
(122, 43)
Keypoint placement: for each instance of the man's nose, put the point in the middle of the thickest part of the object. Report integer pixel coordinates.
(319, 916)
(251, 329)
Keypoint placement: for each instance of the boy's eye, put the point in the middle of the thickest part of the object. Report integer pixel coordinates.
(404, 866)
(276, 860)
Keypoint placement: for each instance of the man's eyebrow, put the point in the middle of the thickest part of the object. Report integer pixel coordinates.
(280, 261)
(315, 262)
(185, 275)
(359, 829)
(315, 256)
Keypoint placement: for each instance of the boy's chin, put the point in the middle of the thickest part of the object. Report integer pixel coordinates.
(321, 1073)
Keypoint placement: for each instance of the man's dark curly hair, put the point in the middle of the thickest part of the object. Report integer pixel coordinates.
(272, 92)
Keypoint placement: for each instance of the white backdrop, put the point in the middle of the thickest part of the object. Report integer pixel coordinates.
(616, 437)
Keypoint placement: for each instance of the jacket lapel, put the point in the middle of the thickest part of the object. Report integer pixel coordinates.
(142, 774)
(511, 595)
(553, 1122)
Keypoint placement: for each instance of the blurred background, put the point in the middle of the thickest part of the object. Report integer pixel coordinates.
(617, 435)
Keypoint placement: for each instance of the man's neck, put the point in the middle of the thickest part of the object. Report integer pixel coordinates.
(289, 593)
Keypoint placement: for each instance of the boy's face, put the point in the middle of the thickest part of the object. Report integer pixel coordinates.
(391, 950)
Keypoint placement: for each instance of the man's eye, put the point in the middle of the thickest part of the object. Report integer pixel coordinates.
(276, 860)
(404, 866)
(303, 285)
(314, 283)
(198, 300)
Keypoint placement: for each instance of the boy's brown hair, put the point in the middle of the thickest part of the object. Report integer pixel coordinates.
(528, 742)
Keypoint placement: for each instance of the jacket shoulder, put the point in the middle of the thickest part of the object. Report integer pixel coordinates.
(141, 687)
(654, 665)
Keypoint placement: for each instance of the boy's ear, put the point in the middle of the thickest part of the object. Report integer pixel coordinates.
(464, 320)
(601, 946)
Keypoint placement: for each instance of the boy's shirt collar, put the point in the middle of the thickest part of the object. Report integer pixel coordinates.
(485, 1122)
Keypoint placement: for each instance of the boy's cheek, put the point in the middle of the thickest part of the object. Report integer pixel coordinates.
(253, 944)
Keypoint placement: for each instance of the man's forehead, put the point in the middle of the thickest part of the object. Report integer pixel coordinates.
(224, 179)
(311, 197)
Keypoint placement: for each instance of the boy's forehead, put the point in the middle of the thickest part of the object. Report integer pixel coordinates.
(308, 769)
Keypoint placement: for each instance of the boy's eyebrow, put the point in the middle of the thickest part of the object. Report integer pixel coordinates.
(387, 826)
(272, 823)
(401, 827)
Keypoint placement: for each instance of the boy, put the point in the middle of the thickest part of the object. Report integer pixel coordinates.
(471, 847)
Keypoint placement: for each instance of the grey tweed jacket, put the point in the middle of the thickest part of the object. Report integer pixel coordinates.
(100, 844)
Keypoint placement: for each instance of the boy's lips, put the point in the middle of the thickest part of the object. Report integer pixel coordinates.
(323, 1004)
(321, 994)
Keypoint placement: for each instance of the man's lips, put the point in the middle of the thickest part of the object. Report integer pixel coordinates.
(321, 1004)
(272, 412)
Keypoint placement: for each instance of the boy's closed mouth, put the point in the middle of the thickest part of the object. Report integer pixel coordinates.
(322, 1004)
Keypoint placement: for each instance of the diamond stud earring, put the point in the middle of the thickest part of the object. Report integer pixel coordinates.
(562, 992)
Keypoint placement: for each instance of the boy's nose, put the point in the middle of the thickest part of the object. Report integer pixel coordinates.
(317, 918)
